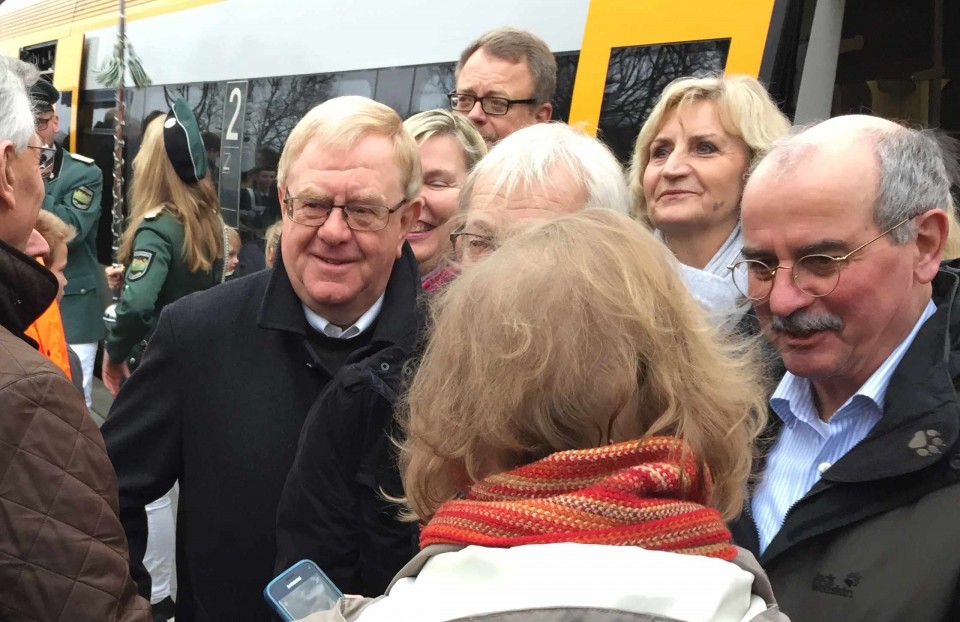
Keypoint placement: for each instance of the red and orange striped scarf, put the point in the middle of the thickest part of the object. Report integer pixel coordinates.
(645, 493)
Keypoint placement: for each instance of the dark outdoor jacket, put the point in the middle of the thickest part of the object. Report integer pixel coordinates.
(218, 403)
(878, 537)
(63, 557)
(332, 509)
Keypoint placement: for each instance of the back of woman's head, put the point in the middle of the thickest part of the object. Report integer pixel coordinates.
(575, 333)
(156, 184)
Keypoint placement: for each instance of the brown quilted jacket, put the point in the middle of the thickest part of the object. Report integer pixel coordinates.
(63, 553)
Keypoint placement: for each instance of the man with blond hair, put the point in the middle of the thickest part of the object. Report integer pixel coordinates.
(233, 373)
(506, 80)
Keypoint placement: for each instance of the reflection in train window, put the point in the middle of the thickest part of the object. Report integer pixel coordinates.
(431, 84)
(638, 74)
(566, 72)
(394, 88)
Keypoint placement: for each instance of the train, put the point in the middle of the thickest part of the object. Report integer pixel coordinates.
(252, 68)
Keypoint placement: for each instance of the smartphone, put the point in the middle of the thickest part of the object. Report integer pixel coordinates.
(300, 590)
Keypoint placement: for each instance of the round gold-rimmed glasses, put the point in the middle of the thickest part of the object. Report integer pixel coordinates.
(814, 275)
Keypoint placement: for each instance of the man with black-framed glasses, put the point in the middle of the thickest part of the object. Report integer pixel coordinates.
(74, 185)
(271, 397)
(853, 516)
(506, 80)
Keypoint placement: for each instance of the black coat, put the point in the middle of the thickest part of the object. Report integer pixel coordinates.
(878, 537)
(332, 509)
(218, 404)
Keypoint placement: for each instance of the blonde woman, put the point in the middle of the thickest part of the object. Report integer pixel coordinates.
(579, 432)
(172, 246)
(450, 146)
(173, 243)
(688, 170)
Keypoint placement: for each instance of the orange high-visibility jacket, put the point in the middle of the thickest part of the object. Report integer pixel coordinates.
(47, 331)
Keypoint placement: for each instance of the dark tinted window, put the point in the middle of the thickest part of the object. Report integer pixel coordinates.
(638, 74)
(395, 89)
(431, 84)
(566, 73)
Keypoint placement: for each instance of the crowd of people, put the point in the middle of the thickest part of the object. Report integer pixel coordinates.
(488, 372)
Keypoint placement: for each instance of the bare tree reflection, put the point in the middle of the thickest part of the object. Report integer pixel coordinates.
(638, 74)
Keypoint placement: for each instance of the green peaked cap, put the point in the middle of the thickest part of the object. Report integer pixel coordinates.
(184, 144)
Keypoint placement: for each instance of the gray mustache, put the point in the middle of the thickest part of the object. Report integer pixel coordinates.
(801, 323)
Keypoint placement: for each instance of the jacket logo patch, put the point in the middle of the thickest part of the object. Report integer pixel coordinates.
(139, 265)
(82, 198)
(926, 443)
(827, 584)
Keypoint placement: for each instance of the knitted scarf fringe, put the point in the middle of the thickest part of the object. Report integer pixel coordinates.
(648, 493)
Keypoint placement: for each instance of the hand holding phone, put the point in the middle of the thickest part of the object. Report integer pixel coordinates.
(300, 590)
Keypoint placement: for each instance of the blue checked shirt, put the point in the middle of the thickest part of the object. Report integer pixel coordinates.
(807, 446)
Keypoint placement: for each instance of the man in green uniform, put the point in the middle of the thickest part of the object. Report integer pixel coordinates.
(73, 190)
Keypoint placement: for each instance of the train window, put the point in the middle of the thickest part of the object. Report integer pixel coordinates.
(638, 74)
(566, 72)
(361, 83)
(65, 114)
(431, 84)
(395, 88)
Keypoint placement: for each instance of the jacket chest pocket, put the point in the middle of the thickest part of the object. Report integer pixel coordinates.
(80, 285)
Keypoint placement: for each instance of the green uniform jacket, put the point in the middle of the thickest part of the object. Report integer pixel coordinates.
(157, 275)
(73, 195)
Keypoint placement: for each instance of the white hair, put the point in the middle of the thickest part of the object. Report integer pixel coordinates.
(17, 123)
(531, 157)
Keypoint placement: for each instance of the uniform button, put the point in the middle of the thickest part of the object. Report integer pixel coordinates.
(822, 467)
(83, 290)
(385, 366)
(955, 462)
(133, 360)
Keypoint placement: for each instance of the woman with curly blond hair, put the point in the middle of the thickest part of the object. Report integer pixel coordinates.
(575, 437)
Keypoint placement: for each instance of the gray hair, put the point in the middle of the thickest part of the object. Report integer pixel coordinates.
(531, 156)
(17, 123)
(913, 180)
(913, 167)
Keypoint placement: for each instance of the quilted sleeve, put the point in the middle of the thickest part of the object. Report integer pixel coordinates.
(63, 553)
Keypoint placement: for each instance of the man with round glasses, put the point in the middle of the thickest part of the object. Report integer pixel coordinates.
(271, 397)
(73, 184)
(505, 81)
(853, 518)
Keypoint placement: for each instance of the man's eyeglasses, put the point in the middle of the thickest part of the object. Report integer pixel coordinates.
(491, 104)
(42, 122)
(472, 246)
(47, 155)
(814, 275)
(313, 212)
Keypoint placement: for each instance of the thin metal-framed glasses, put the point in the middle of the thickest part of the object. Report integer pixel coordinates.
(313, 212)
(815, 275)
(47, 156)
(468, 245)
(43, 122)
(491, 104)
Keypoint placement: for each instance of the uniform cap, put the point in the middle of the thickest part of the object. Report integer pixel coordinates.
(184, 144)
(44, 95)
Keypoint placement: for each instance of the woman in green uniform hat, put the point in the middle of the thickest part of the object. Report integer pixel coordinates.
(173, 245)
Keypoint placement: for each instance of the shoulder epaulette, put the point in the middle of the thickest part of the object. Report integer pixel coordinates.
(80, 158)
(152, 214)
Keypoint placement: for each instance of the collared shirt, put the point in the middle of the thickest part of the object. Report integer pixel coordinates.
(808, 446)
(332, 330)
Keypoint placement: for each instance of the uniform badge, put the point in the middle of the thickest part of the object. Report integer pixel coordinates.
(82, 198)
(139, 265)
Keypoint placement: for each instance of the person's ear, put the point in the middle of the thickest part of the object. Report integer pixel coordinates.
(933, 228)
(544, 113)
(408, 217)
(7, 176)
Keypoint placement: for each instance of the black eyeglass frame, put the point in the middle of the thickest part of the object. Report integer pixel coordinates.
(47, 156)
(838, 263)
(383, 212)
(508, 103)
